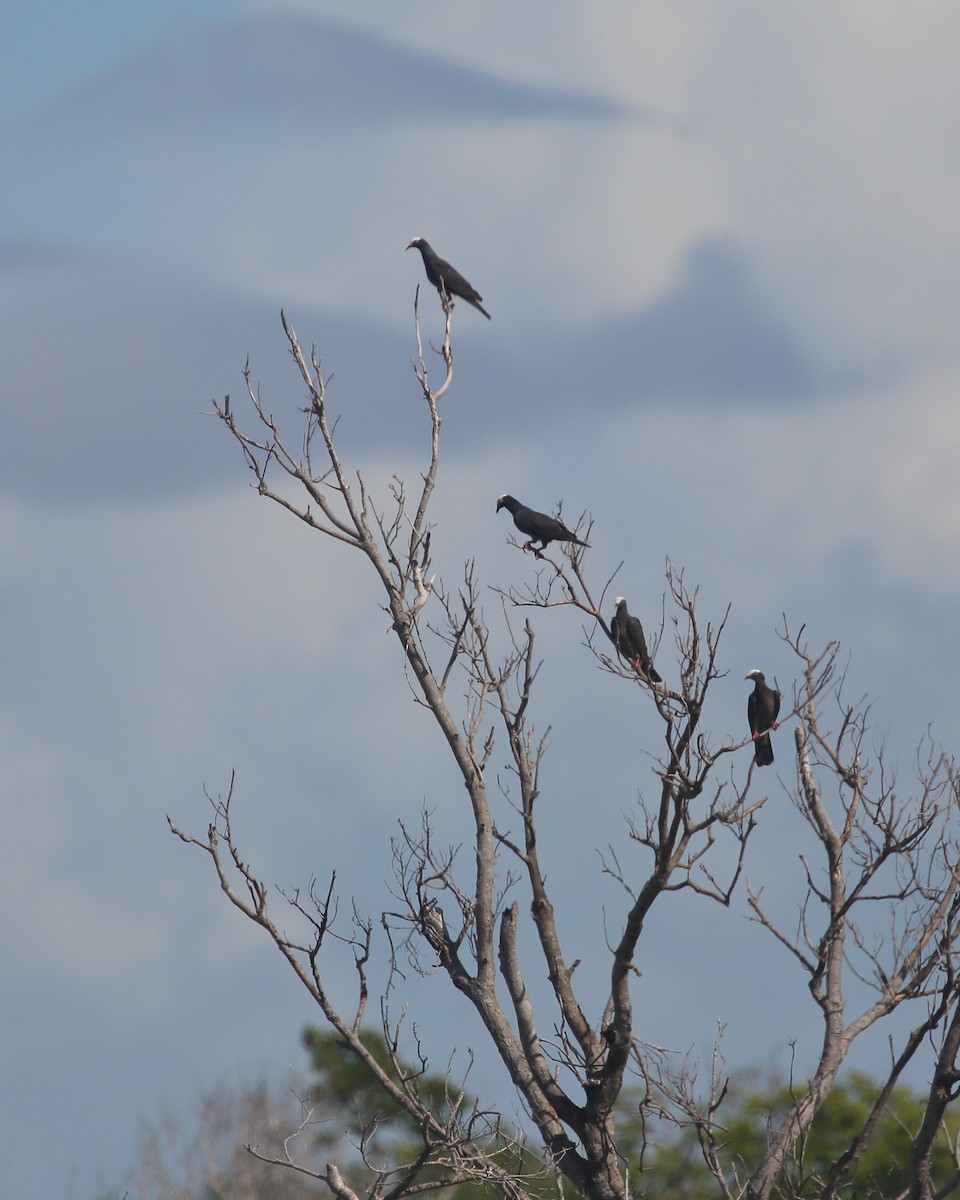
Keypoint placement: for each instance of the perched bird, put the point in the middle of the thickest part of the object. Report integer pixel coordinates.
(627, 634)
(446, 279)
(433, 925)
(763, 706)
(537, 526)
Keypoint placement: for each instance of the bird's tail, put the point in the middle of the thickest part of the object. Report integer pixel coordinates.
(763, 751)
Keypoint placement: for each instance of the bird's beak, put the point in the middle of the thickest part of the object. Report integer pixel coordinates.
(499, 505)
(408, 245)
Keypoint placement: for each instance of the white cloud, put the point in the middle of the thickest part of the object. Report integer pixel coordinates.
(819, 134)
(872, 471)
(827, 132)
(551, 220)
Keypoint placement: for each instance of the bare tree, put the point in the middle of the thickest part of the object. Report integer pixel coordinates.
(882, 877)
(200, 1153)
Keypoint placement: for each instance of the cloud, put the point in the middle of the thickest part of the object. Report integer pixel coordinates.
(296, 70)
(116, 409)
(633, 54)
(708, 337)
(825, 145)
(842, 472)
(155, 649)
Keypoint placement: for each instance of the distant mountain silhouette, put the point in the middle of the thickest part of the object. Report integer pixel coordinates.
(300, 69)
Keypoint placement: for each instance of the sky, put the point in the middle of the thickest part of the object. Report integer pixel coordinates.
(719, 245)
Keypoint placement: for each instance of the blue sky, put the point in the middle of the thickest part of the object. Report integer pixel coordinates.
(49, 46)
(719, 249)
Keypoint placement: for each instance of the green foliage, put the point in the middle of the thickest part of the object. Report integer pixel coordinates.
(353, 1107)
(200, 1156)
(367, 1128)
(673, 1168)
(354, 1111)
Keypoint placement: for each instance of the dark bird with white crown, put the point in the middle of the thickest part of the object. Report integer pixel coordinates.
(763, 707)
(537, 526)
(627, 634)
(446, 279)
